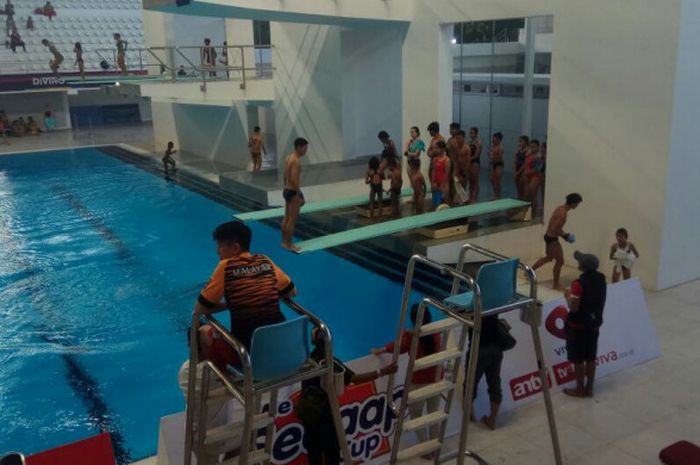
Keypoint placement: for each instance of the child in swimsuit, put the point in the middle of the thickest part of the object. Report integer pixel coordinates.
(623, 253)
(440, 182)
(496, 158)
(374, 179)
(418, 185)
(396, 185)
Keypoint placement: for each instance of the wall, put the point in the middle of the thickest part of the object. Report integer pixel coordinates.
(111, 96)
(604, 104)
(213, 132)
(307, 76)
(371, 88)
(164, 128)
(34, 104)
(680, 253)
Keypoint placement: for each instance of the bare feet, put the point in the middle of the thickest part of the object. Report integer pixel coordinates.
(489, 422)
(574, 393)
(291, 247)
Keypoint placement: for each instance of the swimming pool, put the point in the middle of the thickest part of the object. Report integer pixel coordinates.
(100, 265)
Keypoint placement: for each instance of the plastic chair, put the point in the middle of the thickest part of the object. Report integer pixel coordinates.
(279, 350)
(497, 282)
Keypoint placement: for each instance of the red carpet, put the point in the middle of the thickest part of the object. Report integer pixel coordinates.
(96, 450)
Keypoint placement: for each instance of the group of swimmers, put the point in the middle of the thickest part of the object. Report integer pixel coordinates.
(454, 168)
(57, 57)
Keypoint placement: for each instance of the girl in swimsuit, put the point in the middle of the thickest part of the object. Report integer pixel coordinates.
(414, 147)
(533, 174)
(440, 181)
(475, 167)
(519, 166)
(496, 158)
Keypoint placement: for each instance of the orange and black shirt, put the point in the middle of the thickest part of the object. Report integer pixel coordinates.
(252, 286)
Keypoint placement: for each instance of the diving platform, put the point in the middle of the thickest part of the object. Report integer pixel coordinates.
(408, 223)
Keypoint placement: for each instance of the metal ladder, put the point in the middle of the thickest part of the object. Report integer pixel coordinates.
(447, 358)
(530, 313)
(207, 444)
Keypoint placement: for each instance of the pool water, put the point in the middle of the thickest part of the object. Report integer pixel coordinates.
(100, 265)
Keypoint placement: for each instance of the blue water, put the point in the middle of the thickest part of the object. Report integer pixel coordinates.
(100, 265)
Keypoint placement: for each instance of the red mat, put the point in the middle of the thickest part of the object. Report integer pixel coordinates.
(96, 450)
(681, 453)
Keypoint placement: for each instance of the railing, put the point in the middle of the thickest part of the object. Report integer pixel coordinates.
(240, 62)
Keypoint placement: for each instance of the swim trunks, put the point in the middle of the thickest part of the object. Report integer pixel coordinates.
(496, 164)
(289, 194)
(549, 239)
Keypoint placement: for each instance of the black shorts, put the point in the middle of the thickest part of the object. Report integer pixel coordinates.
(549, 239)
(581, 344)
(289, 194)
(496, 164)
(376, 189)
(395, 191)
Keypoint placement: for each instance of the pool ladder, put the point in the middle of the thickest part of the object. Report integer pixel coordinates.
(207, 444)
(454, 329)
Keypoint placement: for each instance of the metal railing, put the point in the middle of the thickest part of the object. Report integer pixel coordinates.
(240, 62)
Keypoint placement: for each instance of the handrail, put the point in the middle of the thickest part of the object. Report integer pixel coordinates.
(408, 287)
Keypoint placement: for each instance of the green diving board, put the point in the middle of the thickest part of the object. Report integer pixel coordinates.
(311, 207)
(407, 223)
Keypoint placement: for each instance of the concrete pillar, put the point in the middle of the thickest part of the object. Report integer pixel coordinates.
(528, 90)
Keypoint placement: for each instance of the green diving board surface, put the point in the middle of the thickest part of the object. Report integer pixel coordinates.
(407, 223)
(312, 207)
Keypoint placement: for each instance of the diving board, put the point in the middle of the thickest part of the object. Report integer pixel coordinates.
(407, 223)
(311, 207)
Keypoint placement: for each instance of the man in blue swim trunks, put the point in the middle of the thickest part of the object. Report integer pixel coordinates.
(293, 197)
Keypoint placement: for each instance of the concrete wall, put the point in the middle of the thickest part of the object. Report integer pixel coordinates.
(605, 106)
(213, 132)
(307, 81)
(680, 253)
(111, 96)
(371, 88)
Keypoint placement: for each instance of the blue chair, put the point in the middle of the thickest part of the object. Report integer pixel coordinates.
(279, 350)
(497, 283)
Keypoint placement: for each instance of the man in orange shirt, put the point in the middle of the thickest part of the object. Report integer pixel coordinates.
(248, 285)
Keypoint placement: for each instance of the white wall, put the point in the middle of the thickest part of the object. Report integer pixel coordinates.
(680, 250)
(213, 132)
(307, 78)
(111, 96)
(34, 104)
(609, 118)
(371, 88)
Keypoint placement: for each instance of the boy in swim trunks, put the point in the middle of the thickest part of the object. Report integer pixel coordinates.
(293, 197)
(555, 230)
(418, 185)
(374, 179)
(396, 185)
(168, 160)
(57, 59)
(623, 253)
(257, 148)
